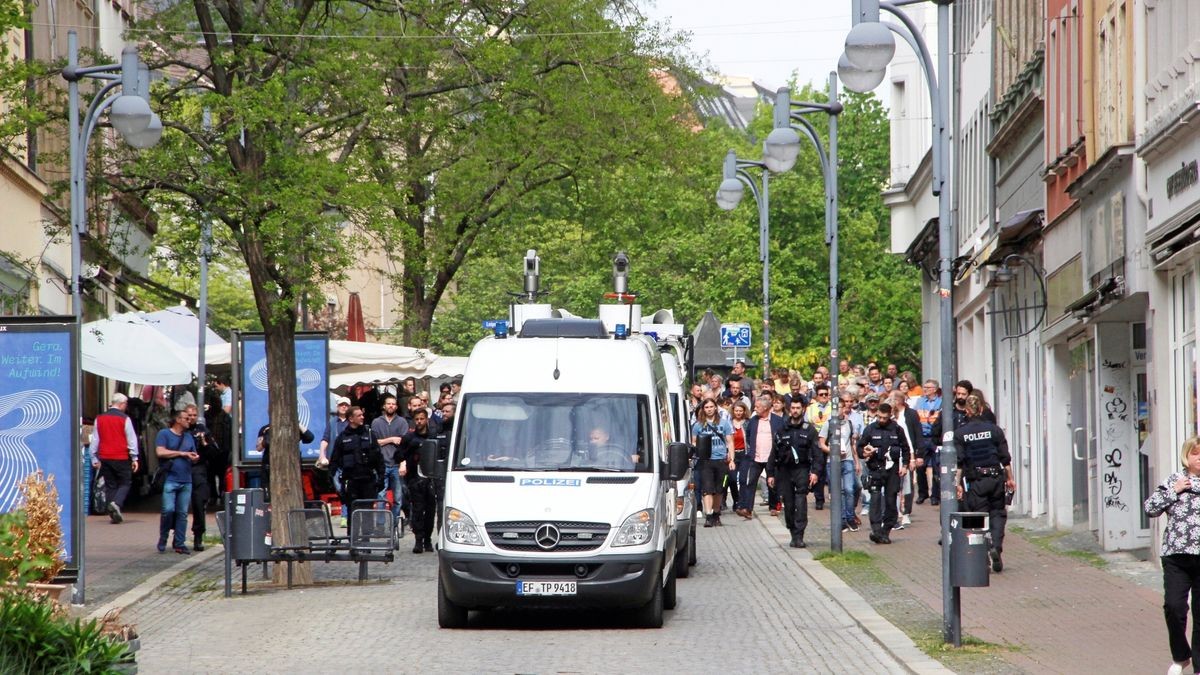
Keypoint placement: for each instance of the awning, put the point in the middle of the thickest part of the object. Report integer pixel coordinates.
(346, 353)
(129, 348)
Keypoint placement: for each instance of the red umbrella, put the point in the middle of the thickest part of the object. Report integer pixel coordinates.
(356, 330)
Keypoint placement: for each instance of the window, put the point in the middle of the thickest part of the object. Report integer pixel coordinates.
(554, 432)
(1183, 354)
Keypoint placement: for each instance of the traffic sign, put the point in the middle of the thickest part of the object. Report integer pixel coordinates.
(736, 335)
(490, 324)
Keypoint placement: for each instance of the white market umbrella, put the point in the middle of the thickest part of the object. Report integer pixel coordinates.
(129, 348)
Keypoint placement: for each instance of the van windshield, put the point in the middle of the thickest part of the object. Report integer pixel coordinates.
(553, 432)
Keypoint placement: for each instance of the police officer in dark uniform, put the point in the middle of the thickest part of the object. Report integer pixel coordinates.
(795, 463)
(357, 456)
(985, 462)
(421, 496)
(883, 446)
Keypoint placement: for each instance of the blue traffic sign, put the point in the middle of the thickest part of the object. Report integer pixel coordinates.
(490, 324)
(735, 335)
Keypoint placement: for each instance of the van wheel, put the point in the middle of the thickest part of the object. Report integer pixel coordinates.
(450, 615)
(669, 597)
(650, 615)
(691, 556)
(681, 562)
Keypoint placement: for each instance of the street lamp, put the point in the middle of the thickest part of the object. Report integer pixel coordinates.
(729, 194)
(130, 114)
(780, 151)
(864, 50)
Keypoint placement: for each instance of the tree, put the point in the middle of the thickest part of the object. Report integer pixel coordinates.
(422, 122)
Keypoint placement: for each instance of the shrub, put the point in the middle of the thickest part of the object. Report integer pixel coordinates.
(31, 537)
(37, 636)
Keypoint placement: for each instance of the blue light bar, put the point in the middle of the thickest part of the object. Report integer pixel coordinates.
(500, 330)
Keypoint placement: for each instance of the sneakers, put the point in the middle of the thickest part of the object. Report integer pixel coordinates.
(904, 522)
(182, 550)
(866, 510)
(114, 512)
(1176, 668)
(852, 526)
(845, 527)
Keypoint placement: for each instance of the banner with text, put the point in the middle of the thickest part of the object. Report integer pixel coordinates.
(39, 422)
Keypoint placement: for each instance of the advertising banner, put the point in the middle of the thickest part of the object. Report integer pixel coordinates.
(39, 423)
(312, 391)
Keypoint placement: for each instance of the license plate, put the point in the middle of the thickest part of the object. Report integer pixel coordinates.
(546, 588)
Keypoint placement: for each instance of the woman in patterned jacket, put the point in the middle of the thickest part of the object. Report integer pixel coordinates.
(1179, 498)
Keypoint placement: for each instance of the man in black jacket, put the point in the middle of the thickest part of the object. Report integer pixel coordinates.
(357, 455)
(886, 450)
(793, 467)
(421, 497)
(984, 460)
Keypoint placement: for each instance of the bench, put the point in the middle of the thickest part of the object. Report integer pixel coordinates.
(372, 538)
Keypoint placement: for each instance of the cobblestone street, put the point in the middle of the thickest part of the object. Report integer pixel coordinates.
(747, 606)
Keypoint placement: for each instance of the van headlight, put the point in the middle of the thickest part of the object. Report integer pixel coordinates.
(460, 529)
(637, 529)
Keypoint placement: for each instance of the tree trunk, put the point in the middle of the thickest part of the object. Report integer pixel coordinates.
(280, 332)
(287, 493)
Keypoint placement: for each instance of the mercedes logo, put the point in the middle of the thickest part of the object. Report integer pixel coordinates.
(546, 536)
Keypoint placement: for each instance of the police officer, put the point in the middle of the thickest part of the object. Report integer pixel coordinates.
(987, 466)
(357, 456)
(886, 450)
(421, 496)
(793, 467)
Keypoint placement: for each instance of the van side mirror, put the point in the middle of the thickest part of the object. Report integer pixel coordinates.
(704, 447)
(677, 460)
(429, 459)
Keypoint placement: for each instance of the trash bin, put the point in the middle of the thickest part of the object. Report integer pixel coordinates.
(251, 525)
(969, 549)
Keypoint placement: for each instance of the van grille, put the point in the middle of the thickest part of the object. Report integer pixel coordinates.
(519, 535)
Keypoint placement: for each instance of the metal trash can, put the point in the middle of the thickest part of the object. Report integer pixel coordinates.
(250, 520)
(969, 549)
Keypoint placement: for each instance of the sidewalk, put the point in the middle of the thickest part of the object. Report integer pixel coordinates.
(122, 557)
(1058, 613)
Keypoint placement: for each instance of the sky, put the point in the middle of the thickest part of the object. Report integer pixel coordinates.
(763, 39)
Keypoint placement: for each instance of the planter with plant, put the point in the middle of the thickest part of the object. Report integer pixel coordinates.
(36, 633)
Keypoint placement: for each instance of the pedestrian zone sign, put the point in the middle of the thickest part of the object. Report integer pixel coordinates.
(735, 335)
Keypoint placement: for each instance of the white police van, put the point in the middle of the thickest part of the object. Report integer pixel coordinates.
(675, 349)
(560, 478)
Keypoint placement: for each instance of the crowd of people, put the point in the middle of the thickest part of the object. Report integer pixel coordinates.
(887, 439)
(359, 459)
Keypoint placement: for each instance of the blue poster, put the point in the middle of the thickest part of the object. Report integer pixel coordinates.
(312, 391)
(38, 422)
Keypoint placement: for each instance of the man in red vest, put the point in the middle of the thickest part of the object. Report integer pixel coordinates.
(115, 454)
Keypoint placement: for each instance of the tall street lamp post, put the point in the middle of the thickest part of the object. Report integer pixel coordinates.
(780, 151)
(729, 194)
(130, 114)
(869, 48)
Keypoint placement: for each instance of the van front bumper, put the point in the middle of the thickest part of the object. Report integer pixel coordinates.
(484, 580)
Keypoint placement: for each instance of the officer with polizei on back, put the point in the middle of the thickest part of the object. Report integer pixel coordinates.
(883, 445)
(795, 463)
(987, 466)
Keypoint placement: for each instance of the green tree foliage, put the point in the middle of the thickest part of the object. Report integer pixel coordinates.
(690, 256)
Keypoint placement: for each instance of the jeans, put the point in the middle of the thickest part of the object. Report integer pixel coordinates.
(176, 497)
(392, 482)
(849, 489)
(749, 471)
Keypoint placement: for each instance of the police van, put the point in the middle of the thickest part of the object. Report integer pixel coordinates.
(561, 476)
(676, 349)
